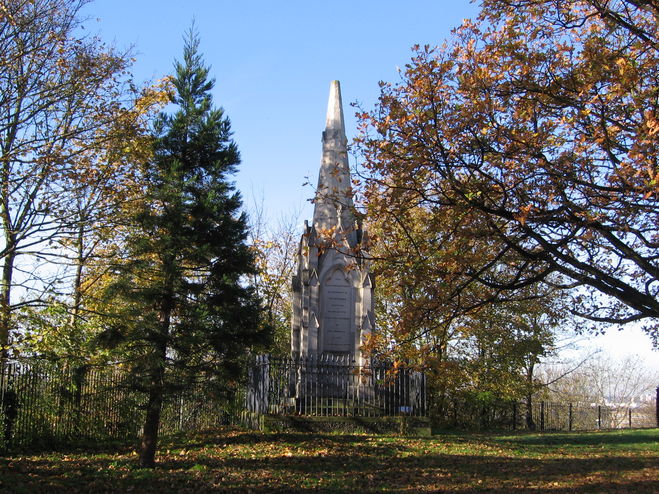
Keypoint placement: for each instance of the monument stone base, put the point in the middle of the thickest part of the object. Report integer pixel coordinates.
(404, 425)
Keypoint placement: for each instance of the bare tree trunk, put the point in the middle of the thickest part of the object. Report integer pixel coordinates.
(530, 424)
(77, 281)
(157, 385)
(152, 420)
(5, 299)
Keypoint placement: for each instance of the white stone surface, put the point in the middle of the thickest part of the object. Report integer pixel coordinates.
(333, 287)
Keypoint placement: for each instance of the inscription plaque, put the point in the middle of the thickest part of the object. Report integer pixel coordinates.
(336, 314)
(337, 301)
(337, 335)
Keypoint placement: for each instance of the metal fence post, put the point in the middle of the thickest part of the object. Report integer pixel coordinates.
(514, 415)
(599, 416)
(180, 413)
(569, 417)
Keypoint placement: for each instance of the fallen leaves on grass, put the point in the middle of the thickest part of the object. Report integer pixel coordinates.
(231, 460)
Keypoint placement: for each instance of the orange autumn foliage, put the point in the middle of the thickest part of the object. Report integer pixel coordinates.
(523, 153)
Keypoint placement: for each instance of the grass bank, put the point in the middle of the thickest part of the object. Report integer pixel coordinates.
(240, 461)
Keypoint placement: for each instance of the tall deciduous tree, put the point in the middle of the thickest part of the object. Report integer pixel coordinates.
(530, 145)
(506, 343)
(187, 311)
(58, 93)
(100, 189)
(274, 250)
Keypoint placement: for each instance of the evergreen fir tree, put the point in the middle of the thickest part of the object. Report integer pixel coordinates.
(193, 315)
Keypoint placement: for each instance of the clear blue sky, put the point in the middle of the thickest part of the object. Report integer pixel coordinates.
(273, 63)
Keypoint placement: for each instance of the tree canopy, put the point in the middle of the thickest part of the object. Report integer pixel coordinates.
(69, 116)
(524, 153)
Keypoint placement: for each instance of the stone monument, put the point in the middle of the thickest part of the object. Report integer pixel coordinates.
(333, 287)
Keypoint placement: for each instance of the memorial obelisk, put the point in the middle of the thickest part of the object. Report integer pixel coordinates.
(333, 287)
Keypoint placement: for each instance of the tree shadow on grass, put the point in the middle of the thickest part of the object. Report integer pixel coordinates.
(80, 445)
(212, 437)
(367, 469)
(371, 471)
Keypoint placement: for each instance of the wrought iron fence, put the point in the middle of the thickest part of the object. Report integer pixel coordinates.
(333, 385)
(44, 405)
(546, 416)
(588, 416)
(41, 404)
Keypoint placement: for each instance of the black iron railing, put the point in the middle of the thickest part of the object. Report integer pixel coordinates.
(333, 385)
(43, 404)
(541, 416)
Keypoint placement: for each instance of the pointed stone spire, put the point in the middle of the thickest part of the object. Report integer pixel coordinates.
(333, 301)
(334, 192)
(334, 118)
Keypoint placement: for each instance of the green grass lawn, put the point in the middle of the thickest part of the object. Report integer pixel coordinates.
(238, 461)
